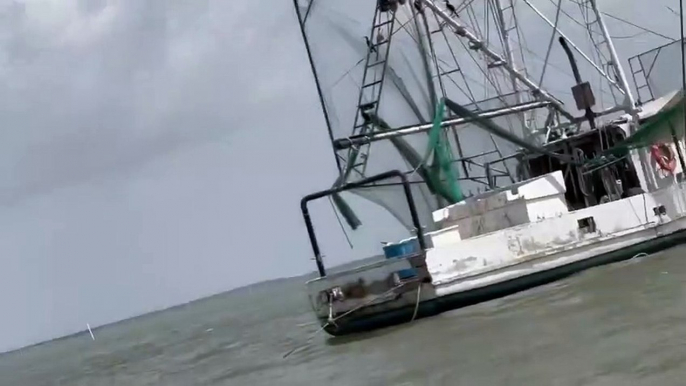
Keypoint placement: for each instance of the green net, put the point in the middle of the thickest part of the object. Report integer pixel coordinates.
(657, 128)
(441, 174)
(443, 161)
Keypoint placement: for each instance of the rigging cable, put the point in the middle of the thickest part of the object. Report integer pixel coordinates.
(624, 21)
(338, 218)
(638, 26)
(522, 44)
(550, 44)
(603, 60)
(563, 71)
(618, 19)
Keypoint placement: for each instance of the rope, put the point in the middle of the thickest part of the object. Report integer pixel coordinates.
(416, 305)
(333, 320)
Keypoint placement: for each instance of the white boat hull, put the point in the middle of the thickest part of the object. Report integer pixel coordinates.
(458, 272)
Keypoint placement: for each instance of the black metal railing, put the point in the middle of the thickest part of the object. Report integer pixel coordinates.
(354, 185)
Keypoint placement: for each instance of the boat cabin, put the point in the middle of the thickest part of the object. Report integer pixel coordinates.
(586, 186)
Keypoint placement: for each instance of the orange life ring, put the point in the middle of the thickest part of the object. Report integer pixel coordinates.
(664, 157)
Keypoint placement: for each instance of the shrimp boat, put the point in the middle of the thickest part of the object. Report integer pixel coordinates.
(505, 165)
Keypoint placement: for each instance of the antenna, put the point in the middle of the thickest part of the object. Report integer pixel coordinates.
(683, 86)
(683, 59)
(90, 331)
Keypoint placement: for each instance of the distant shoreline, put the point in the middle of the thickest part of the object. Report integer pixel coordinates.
(242, 289)
(245, 288)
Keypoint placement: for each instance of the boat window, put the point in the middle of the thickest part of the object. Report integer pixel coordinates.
(587, 224)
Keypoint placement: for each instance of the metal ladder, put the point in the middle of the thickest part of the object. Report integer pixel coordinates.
(639, 75)
(378, 48)
(507, 20)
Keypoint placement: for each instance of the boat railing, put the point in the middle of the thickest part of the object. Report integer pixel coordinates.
(654, 71)
(354, 185)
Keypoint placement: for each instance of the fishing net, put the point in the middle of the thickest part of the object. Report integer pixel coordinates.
(394, 66)
(668, 121)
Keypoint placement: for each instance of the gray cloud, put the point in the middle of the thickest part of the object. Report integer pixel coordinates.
(119, 84)
(144, 144)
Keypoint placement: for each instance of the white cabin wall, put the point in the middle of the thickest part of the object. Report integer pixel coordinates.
(530, 200)
(452, 261)
(537, 187)
(515, 213)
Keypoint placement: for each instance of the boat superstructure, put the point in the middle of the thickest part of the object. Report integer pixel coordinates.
(435, 114)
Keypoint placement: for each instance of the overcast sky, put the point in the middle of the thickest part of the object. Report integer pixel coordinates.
(154, 152)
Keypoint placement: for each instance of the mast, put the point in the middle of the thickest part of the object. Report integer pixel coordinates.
(629, 103)
(682, 161)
